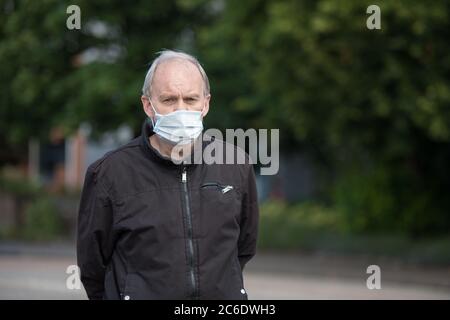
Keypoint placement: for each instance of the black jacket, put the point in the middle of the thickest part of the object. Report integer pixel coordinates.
(152, 229)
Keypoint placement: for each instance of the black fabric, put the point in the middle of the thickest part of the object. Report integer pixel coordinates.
(134, 226)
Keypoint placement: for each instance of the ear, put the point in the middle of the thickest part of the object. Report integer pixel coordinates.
(147, 107)
(206, 108)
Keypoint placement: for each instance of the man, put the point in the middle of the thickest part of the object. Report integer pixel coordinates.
(154, 225)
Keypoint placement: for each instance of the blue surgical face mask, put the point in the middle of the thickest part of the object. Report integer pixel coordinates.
(178, 127)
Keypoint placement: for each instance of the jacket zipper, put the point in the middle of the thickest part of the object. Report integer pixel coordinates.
(191, 255)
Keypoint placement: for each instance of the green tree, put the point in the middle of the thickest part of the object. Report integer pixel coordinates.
(46, 79)
(372, 105)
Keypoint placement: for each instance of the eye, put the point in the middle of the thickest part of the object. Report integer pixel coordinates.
(169, 100)
(190, 100)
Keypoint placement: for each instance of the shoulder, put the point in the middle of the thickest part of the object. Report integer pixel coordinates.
(233, 156)
(114, 158)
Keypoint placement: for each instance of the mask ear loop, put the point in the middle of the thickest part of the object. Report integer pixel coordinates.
(154, 112)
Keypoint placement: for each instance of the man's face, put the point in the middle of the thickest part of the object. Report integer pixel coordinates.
(177, 85)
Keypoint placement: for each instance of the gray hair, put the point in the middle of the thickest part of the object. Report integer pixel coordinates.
(167, 55)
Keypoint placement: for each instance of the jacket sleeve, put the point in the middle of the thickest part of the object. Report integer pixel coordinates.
(94, 234)
(249, 220)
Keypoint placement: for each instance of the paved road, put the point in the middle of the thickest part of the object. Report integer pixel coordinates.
(34, 273)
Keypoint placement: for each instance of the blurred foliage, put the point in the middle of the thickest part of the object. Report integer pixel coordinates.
(313, 228)
(46, 80)
(18, 187)
(381, 200)
(39, 214)
(43, 222)
(372, 106)
(294, 226)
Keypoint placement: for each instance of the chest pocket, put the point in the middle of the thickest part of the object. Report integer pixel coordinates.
(214, 185)
(218, 208)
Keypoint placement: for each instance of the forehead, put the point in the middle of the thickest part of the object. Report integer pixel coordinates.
(177, 75)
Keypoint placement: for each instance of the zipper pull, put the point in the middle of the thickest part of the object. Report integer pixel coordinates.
(184, 175)
(227, 188)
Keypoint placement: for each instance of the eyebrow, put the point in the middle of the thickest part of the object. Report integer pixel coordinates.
(171, 95)
(166, 96)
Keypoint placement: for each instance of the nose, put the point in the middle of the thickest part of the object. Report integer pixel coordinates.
(181, 105)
